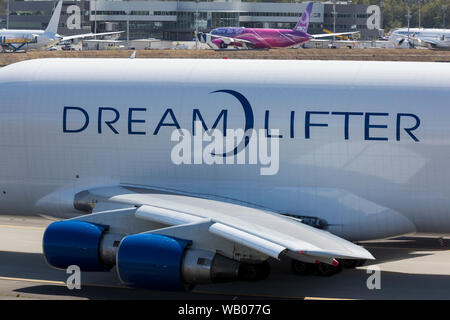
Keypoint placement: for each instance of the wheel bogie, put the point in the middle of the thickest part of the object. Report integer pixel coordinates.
(327, 270)
(302, 268)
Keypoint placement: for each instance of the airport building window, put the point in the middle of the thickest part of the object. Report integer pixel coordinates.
(165, 13)
(186, 19)
(224, 19)
(108, 13)
(276, 25)
(136, 13)
(140, 13)
(27, 13)
(270, 14)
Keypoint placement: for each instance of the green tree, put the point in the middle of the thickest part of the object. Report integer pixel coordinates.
(395, 12)
(2, 6)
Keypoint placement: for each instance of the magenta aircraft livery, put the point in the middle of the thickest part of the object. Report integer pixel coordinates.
(263, 38)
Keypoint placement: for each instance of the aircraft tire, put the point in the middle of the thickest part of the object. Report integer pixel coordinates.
(361, 262)
(301, 268)
(327, 270)
(254, 272)
(350, 263)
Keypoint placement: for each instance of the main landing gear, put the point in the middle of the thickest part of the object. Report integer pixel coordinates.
(254, 272)
(324, 269)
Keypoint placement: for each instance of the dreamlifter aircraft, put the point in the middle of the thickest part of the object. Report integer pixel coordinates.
(11, 39)
(357, 152)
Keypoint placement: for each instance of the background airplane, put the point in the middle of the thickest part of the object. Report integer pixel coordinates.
(14, 40)
(261, 38)
(421, 37)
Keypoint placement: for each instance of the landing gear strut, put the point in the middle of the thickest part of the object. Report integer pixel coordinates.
(352, 263)
(324, 269)
(302, 268)
(254, 272)
(327, 270)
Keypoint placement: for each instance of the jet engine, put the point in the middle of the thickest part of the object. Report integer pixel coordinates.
(219, 43)
(144, 260)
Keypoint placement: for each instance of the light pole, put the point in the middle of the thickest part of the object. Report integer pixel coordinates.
(7, 14)
(349, 3)
(382, 4)
(334, 20)
(128, 30)
(408, 16)
(444, 9)
(95, 18)
(420, 16)
(196, 25)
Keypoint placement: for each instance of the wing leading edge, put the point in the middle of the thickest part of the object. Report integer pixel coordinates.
(326, 35)
(266, 232)
(89, 35)
(208, 39)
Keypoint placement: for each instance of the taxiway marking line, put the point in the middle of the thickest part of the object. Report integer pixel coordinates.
(268, 296)
(62, 283)
(20, 227)
(408, 248)
(33, 280)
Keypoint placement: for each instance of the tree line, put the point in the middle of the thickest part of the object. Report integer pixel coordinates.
(433, 13)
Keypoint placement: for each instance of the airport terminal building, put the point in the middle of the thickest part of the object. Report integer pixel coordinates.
(177, 20)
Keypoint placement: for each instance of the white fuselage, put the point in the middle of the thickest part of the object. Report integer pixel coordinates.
(431, 38)
(365, 145)
(33, 39)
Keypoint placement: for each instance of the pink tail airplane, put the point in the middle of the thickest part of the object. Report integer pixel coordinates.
(259, 38)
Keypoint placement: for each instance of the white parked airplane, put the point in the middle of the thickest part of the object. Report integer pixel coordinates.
(14, 40)
(420, 37)
(360, 153)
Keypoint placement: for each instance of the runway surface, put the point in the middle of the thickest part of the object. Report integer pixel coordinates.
(411, 268)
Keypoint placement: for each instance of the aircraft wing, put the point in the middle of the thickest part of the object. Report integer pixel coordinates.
(316, 36)
(229, 40)
(427, 42)
(89, 35)
(104, 41)
(266, 232)
(206, 38)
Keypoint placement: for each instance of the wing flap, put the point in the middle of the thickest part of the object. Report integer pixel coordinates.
(267, 247)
